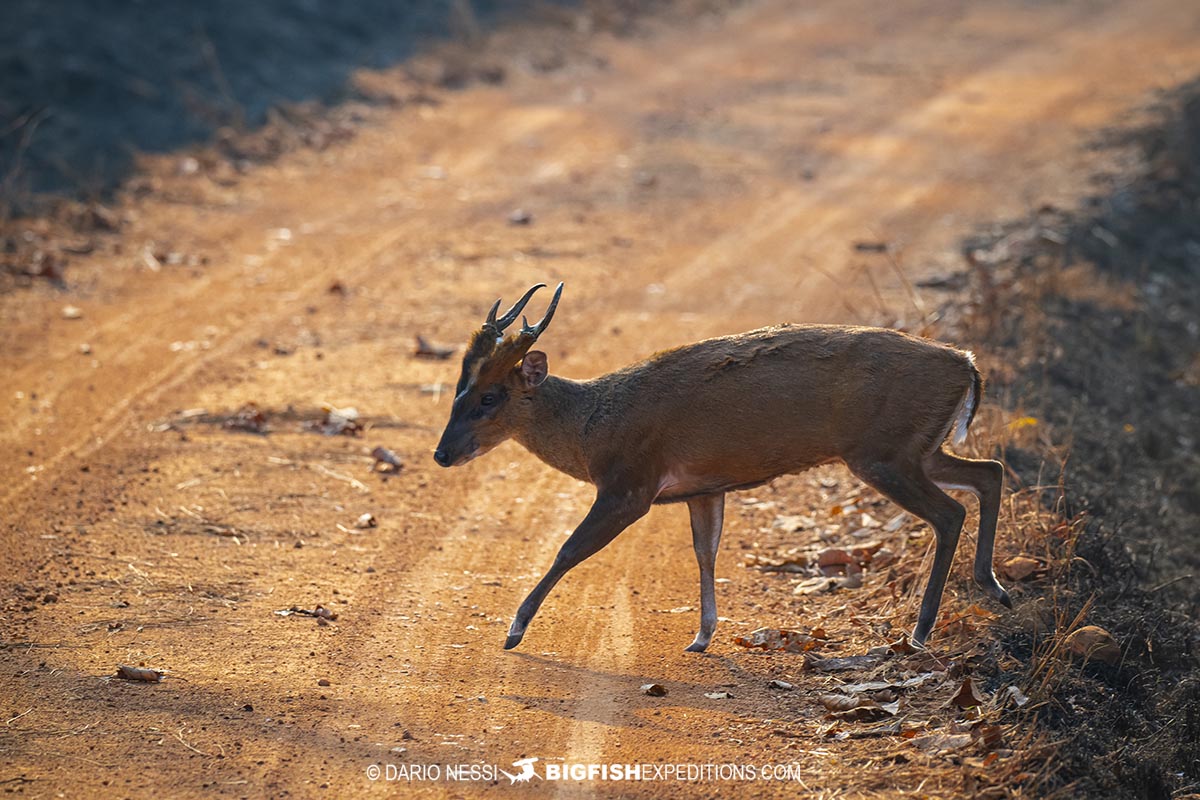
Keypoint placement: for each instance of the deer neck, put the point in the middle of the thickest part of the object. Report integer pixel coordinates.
(560, 410)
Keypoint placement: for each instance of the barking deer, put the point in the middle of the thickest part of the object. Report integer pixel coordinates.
(734, 412)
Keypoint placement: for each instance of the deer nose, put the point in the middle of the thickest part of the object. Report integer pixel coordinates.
(441, 458)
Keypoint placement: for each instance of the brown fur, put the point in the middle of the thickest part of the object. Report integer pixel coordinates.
(743, 409)
(695, 422)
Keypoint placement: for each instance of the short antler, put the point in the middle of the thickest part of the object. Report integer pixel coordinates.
(513, 349)
(491, 353)
(510, 316)
(536, 330)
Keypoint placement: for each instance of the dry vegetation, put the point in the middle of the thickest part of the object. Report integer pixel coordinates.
(1094, 313)
(1084, 321)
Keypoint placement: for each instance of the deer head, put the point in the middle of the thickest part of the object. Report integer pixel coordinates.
(499, 373)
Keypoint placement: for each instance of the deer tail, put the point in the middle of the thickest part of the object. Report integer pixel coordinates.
(970, 402)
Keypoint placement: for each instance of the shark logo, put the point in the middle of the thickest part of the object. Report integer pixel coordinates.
(525, 775)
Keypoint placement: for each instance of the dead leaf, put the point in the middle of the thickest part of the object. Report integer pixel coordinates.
(976, 610)
(784, 685)
(1092, 642)
(858, 709)
(988, 735)
(816, 585)
(249, 418)
(427, 349)
(320, 612)
(967, 696)
(941, 743)
(864, 552)
(775, 639)
(1018, 568)
(128, 673)
(892, 728)
(839, 702)
(884, 557)
(799, 564)
(386, 460)
(875, 686)
(833, 557)
(926, 661)
(654, 689)
(337, 422)
(793, 523)
(840, 664)
(853, 579)
(1018, 697)
(900, 647)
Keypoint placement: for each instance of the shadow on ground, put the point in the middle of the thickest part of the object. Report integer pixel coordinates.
(84, 86)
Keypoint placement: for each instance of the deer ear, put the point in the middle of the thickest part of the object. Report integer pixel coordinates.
(533, 367)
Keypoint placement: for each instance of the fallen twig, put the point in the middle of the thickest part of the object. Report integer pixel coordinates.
(18, 716)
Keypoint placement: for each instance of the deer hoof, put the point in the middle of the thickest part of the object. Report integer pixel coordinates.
(513, 640)
(696, 647)
(992, 587)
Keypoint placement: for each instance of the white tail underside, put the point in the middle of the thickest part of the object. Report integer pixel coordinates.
(965, 409)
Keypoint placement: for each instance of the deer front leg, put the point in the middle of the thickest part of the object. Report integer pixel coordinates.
(708, 515)
(611, 513)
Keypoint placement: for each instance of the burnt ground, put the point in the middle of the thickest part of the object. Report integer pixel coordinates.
(1097, 312)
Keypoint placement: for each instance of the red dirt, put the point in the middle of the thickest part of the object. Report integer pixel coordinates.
(708, 179)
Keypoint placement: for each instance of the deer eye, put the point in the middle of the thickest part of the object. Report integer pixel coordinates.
(488, 399)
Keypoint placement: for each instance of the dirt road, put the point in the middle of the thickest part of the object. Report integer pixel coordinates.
(690, 182)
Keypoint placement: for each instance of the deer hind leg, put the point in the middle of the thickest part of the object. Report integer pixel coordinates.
(985, 479)
(708, 514)
(910, 488)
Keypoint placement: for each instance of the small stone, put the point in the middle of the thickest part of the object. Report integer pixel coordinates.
(323, 682)
(72, 312)
(787, 687)
(654, 690)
